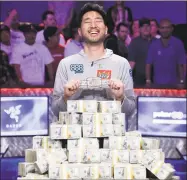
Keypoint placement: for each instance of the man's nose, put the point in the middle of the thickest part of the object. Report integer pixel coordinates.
(93, 24)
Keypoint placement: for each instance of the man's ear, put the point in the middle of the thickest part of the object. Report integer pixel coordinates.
(106, 32)
(79, 32)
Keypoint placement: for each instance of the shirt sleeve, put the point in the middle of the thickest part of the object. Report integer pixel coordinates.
(132, 51)
(40, 37)
(68, 50)
(46, 55)
(129, 102)
(150, 55)
(16, 56)
(58, 103)
(62, 40)
(181, 53)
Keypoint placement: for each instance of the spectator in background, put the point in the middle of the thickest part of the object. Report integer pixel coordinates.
(111, 41)
(135, 29)
(52, 37)
(167, 55)
(7, 75)
(49, 20)
(5, 40)
(138, 52)
(122, 34)
(154, 28)
(117, 14)
(74, 45)
(29, 59)
(12, 21)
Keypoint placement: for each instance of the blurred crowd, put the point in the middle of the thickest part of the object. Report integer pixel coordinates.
(30, 53)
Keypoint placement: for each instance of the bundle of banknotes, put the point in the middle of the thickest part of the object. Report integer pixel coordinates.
(125, 155)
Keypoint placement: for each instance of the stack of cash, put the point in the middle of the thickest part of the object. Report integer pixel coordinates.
(125, 155)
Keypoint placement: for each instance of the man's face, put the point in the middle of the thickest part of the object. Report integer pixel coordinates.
(15, 22)
(30, 37)
(55, 39)
(119, 3)
(135, 26)
(145, 30)
(50, 21)
(93, 29)
(5, 37)
(165, 29)
(123, 33)
(154, 27)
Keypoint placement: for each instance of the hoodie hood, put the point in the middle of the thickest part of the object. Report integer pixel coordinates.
(108, 53)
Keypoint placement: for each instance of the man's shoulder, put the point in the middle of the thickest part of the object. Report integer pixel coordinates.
(20, 47)
(71, 59)
(176, 40)
(40, 32)
(119, 59)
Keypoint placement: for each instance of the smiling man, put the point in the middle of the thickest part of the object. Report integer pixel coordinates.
(93, 61)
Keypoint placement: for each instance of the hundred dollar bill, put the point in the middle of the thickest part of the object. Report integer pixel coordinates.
(110, 106)
(55, 171)
(24, 168)
(83, 143)
(123, 171)
(106, 130)
(57, 156)
(164, 172)
(130, 142)
(138, 171)
(74, 131)
(64, 117)
(149, 143)
(118, 118)
(32, 155)
(58, 131)
(41, 166)
(119, 130)
(120, 156)
(136, 156)
(70, 118)
(45, 142)
(82, 106)
(71, 171)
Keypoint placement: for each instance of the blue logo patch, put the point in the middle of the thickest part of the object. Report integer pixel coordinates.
(77, 68)
(130, 72)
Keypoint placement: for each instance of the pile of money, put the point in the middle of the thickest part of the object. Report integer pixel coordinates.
(73, 149)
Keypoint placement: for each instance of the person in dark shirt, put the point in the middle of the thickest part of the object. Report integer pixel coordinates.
(122, 34)
(166, 55)
(138, 50)
(111, 41)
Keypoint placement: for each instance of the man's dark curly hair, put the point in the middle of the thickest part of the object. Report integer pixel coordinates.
(92, 7)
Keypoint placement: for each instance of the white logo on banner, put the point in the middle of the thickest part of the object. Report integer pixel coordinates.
(13, 112)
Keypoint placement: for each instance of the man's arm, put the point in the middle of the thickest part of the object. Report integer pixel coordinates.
(132, 64)
(149, 62)
(9, 19)
(181, 61)
(58, 103)
(50, 71)
(129, 102)
(18, 72)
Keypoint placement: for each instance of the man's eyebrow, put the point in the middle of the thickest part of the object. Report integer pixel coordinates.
(86, 19)
(99, 18)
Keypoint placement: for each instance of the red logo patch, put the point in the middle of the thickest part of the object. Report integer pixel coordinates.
(104, 74)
